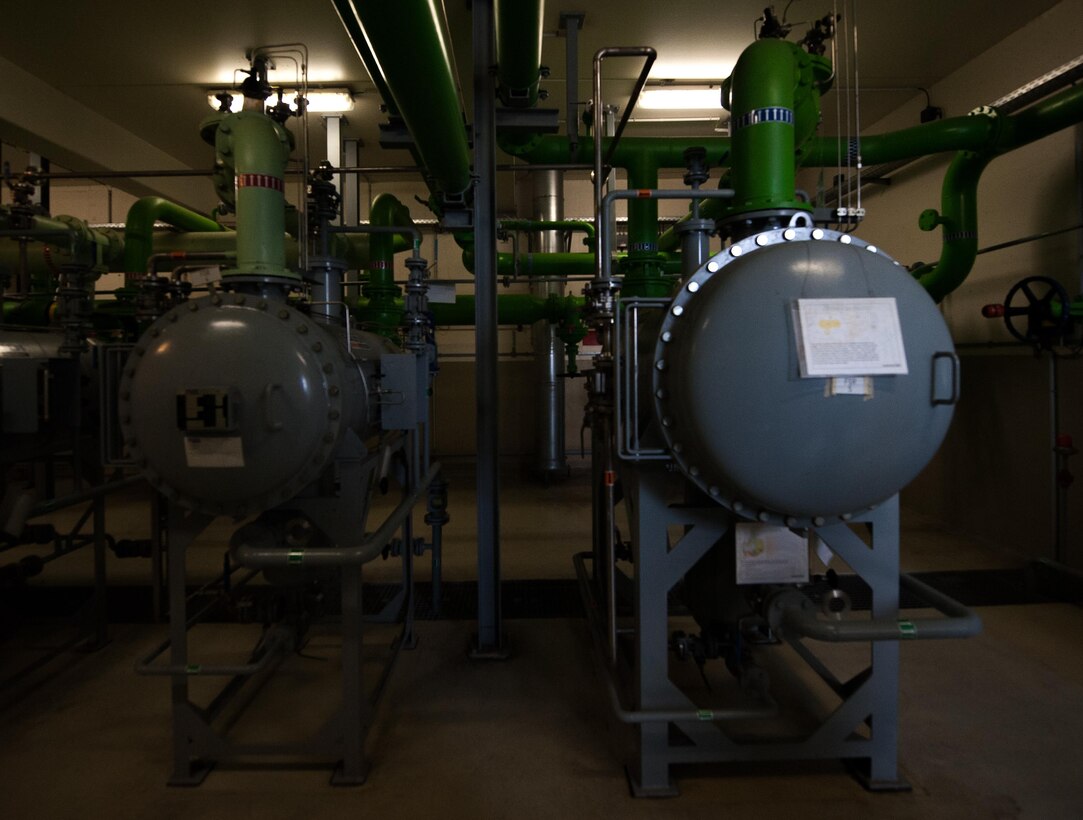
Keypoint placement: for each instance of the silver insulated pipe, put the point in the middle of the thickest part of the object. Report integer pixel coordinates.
(548, 350)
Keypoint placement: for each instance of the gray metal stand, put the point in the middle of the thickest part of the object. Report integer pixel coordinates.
(200, 734)
(868, 700)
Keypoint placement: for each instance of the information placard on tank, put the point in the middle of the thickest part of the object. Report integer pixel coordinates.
(849, 337)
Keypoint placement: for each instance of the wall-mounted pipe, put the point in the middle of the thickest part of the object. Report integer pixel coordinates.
(518, 50)
(958, 216)
(420, 79)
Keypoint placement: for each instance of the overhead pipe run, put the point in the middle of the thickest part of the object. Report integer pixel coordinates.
(958, 201)
(420, 80)
(518, 50)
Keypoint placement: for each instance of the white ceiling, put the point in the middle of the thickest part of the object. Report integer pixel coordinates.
(146, 66)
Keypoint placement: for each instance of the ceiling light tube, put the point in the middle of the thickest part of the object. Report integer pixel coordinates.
(324, 101)
(676, 98)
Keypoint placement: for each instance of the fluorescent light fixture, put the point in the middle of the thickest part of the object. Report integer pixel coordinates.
(329, 102)
(696, 72)
(234, 106)
(324, 101)
(681, 98)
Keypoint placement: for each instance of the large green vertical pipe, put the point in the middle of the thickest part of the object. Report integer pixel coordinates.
(413, 53)
(257, 148)
(518, 50)
(139, 228)
(643, 269)
(769, 99)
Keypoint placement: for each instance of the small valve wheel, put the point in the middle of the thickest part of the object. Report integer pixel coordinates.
(1044, 302)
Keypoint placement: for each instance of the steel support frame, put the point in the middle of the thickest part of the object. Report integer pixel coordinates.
(873, 701)
(489, 641)
(198, 743)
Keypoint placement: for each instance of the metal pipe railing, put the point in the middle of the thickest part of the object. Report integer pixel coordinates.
(604, 260)
(599, 57)
(793, 611)
(253, 557)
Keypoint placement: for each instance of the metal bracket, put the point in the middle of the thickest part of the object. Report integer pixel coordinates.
(626, 339)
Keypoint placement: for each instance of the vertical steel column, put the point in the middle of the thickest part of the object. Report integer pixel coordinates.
(101, 606)
(571, 22)
(489, 639)
(333, 123)
(351, 158)
(356, 710)
(548, 350)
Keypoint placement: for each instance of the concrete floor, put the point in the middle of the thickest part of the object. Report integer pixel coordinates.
(989, 727)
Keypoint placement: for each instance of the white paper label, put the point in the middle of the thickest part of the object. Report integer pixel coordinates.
(202, 277)
(767, 554)
(213, 451)
(441, 293)
(849, 337)
(850, 386)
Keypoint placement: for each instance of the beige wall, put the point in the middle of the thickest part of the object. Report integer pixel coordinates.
(993, 478)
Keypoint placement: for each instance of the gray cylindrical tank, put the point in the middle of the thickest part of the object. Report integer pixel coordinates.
(744, 425)
(232, 403)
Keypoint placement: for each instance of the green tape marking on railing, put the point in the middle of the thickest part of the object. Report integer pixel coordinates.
(295, 557)
(705, 714)
(192, 668)
(908, 629)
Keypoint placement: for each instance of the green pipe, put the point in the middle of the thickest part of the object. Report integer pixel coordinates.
(511, 309)
(518, 50)
(642, 269)
(352, 248)
(383, 310)
(955, 134)
(409, 44)
(139, 228)
(348, 17)
(773, 97)
(665, 152)
(256, 149)
(538, 226)
(60, 240)
(958, 215)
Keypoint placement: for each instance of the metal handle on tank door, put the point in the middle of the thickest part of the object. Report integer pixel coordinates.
(953, 360)
(268, 417)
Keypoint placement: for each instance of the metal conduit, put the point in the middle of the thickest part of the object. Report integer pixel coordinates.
(248, 555)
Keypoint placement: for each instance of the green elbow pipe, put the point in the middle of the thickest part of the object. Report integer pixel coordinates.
(413, 51)
(139, 228)
(383, 311)
(959, 222)
(958, 217)
(518, 50)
